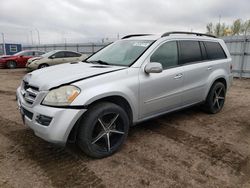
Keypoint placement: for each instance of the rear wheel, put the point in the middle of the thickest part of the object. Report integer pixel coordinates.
(216, 98)
(11, 64)
(43, 66)
(103, 130)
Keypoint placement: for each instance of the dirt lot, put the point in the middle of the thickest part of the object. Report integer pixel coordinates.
(184, 149)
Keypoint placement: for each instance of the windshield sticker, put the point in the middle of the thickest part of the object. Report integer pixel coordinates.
(141, 44)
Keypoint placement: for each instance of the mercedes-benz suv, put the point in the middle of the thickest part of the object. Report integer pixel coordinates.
(93, 103)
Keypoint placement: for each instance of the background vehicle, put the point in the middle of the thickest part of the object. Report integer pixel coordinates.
(132, 80)
(54, 58)
(19, 59)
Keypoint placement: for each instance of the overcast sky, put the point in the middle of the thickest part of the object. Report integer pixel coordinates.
(58, 21)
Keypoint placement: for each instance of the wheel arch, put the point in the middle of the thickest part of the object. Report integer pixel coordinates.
(39, 66)
(217, 79)
(116, 99)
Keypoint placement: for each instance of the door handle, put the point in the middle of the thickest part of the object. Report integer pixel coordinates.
(178, 76)
(210, 68)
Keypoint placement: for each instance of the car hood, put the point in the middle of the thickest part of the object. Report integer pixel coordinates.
(6, 56)
(34, 58)
(68, 73)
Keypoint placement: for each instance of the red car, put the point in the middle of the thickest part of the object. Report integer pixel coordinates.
(19, 59)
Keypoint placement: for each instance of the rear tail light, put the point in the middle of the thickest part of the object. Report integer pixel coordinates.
(231, 68)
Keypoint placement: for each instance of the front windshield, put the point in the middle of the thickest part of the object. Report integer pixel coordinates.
(48, 54)
(123, 52)
(20, 53)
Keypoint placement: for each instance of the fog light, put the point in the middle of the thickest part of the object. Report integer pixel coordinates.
(43, 120)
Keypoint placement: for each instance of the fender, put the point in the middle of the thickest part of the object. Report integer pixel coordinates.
(96, 93)
(216, 74)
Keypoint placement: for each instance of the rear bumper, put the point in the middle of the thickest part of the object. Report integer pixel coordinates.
(230, 80)
(59, 127)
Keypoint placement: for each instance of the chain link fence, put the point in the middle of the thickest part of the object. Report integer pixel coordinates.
(85, 48)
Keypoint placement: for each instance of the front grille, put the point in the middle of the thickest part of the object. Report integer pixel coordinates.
(30, 92)
(27, 113)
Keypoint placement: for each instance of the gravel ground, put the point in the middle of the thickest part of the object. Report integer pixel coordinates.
(184, 149)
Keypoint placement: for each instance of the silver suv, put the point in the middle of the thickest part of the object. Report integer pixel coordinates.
(93, 103)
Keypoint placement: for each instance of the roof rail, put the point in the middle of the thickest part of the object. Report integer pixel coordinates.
(189, 33)
(135, 35)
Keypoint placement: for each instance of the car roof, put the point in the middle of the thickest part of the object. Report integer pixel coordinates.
(63, 51)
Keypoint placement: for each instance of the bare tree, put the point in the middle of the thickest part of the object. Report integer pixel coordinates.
(210, 28)
(217, 30)
(236, 27)
(245, 28)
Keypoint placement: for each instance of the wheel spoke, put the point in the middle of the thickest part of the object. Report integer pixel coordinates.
(100, 135)
(215, 100)
(221, 98)
(219, 92)
(216, 95)
(113, 121)
(116, 131)
(218, 104)
(108, 141)
(102, 124)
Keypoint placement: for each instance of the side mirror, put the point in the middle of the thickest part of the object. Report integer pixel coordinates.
(52, 57)
(153, 68)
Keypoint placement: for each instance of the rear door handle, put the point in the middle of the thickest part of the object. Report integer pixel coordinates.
(178, 76)
(210, 68)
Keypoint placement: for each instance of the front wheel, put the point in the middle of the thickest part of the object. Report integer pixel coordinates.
(11, 64)
(216, 98)
(44, 65)
(103, 130)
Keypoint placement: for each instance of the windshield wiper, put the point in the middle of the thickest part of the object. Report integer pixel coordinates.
(98, 62)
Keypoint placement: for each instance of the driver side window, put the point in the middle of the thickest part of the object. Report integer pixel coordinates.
(166, 54)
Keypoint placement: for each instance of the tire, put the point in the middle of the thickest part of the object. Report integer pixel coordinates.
(216, 98)
(44, 65)
(95, 138)
(11, 64)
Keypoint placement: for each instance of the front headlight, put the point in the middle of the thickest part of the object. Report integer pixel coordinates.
(62, 96)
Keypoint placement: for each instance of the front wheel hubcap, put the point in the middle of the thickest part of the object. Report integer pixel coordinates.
(108, 131)
(219, 97)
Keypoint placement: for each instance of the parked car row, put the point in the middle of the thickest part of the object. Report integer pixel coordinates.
(19, 59)
(32, 59)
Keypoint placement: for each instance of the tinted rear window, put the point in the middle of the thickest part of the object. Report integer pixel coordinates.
(72, 54)
(189, 51)
(214, 51)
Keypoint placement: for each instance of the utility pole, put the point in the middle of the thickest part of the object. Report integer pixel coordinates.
(4, 50)
(31, 37)
(38, 35)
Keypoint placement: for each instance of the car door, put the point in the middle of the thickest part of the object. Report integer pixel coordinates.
(195, 71)
(57, 58)
(161, 92)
